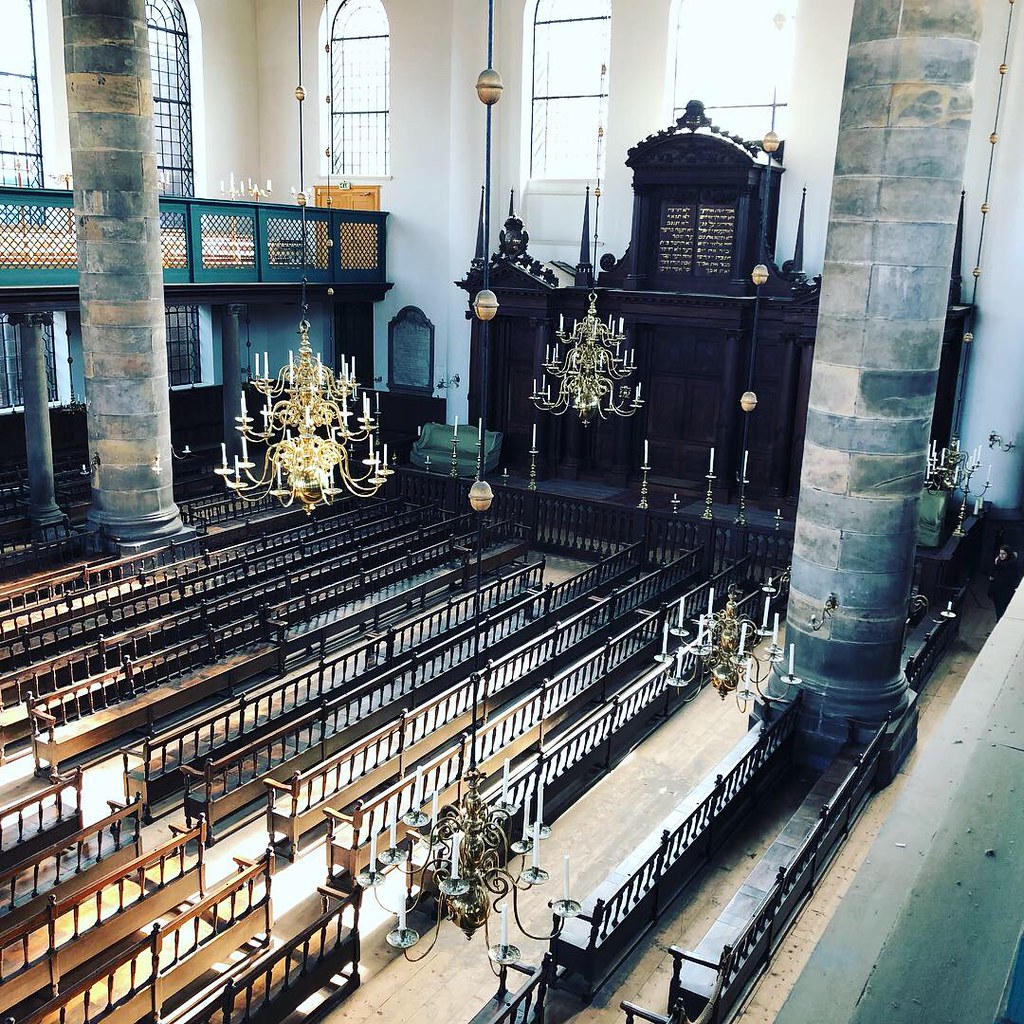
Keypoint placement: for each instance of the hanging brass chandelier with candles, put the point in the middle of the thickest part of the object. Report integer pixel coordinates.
(726, 647)
(309, 432)
(464, 857)
(589, 372)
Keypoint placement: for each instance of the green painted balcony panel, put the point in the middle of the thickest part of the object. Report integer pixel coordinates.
(203, 241)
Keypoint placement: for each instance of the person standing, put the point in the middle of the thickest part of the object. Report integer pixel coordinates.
(1003, 579)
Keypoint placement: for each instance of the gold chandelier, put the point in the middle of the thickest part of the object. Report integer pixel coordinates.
(589, 371)
(726, 647)
(465, 854)
(309, 439)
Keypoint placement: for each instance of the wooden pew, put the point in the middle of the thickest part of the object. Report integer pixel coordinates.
(94, 711)
(73, 930)
(69, 864)
(40, 820)
(124, 988)
(518, 728)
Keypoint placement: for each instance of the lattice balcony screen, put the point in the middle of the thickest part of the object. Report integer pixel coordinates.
(40, 237)
(284, 243)
(227, 240)
(359, 246)
(173, 241)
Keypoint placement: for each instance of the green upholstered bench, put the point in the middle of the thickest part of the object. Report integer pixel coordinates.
(435, 440)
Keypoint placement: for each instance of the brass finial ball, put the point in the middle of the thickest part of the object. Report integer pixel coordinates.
(300, 198)
(481, 495)
(748, 401)
(330, 291)
(770, 142)
(759, 274)
(300, 93)
(1003, 68)
(968, 337)
(485, 305)
(985, 207)
(976, 271)
(994, 138)
(489, 87)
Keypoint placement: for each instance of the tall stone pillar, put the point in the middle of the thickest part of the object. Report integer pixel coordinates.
(899, 166)
(110, 107)
(42, 506)
(231, 371)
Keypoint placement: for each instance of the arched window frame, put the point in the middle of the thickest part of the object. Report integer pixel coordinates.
(171, 62)
(750, 48)
(343, 116)
(587, 108)
(21, 144)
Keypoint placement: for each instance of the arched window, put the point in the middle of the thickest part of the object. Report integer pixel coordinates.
(571, 44)
(737, 57)
(360, 88)
(21, 151)
(172, 96)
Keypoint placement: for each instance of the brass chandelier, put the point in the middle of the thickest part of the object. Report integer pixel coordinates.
(726, 647)
(308, 436)
(463, 861)
(309, 456)
(589, 371)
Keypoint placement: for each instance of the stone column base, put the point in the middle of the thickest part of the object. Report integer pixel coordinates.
(139, 535)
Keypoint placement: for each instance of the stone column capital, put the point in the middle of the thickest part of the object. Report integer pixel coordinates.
(235, 308)
(39, 319)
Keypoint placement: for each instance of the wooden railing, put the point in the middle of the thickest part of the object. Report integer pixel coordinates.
(137, 982)
(742, 962)
(523, 1006)
(921, 665)
(618, 914)
(41, 819)
(322, 958)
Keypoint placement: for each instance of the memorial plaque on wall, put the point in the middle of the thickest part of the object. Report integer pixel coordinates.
(716, 231)
(411, 352)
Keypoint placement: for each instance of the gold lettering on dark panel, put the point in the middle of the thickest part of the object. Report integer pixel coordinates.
(675, 242)
(716, 229)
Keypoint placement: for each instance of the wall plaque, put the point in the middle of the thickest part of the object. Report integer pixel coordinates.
(675, 241)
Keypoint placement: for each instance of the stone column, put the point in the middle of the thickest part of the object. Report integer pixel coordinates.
(110, 107)
(899, 165)
(42, 506)
(231, 370)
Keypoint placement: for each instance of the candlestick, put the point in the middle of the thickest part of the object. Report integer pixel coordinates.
(707, 513)
(532, 484)
(675, 503)
(454, 471)
(643, 481)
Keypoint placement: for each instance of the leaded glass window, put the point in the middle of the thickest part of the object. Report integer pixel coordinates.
(21, 153)
(571, 46)
(737, 57)
(360, 88)
(11, 392)
(183, 362)
(172, 96)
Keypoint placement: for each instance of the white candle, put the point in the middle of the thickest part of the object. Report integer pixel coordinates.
(291, 362)
(222, 185)
(949, 607)
(743, 638)
(565, 877)
(700, 631)
(534, 385)
(223, 454)
(745, 454)
(456, 843)
(238, 475)
(680, 613)
(792, 654)
(977, 506)
(711, 462)
(943, 460)
(266, 363)
(711, 601)
(547, 354)
(540, 800)
(366, 406)
(480, 430)
(526, 815)
(622, 325)
(775, 631)
(988, 475)
(417, 790)
(561, 323)
(645, 451)
(679, 662)
(536, 843)
(256, 363)
(664, 636)
(638, 386)
(373, 851)
(504, 924)
(455, 427)
(767, 602)
(242, 404)
(245, 450)
(747, 677)
(534, 443)
(433, 808)
(385, 453)
(394, 833)
(401, 913)
(504, 780)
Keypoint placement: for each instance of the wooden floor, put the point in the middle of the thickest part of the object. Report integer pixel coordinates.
(454, 980)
